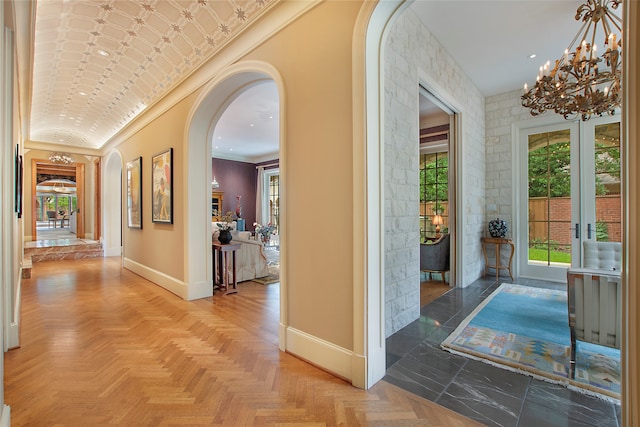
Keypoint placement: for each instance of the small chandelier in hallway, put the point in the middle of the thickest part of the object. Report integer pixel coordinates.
(581, 83)
(58, 157)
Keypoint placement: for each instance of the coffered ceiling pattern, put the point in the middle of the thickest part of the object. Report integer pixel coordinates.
(97, 64)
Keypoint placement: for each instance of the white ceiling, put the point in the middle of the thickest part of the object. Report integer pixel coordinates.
(81, 98)
(492, 40)
(248, 130)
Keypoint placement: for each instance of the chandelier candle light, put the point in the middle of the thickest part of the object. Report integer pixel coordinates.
(581, 83)
(57, 157)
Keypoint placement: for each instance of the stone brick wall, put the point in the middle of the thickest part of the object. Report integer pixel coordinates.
(501, 111)
(411, 53)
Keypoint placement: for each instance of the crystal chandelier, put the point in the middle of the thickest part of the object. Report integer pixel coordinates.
(57, 157)
(581, 83)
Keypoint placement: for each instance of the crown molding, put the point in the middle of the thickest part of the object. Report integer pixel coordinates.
(47, 146)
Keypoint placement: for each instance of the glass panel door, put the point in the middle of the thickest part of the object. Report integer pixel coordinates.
(602, 202)
(571, 194)
(548, 200)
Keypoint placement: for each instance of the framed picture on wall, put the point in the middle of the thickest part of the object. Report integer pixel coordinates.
(134, 193)
(162, 187)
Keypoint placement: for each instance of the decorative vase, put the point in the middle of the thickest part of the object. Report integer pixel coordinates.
(224, 236)
(498, 228)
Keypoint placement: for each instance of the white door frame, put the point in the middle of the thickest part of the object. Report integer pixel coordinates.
(582, 190)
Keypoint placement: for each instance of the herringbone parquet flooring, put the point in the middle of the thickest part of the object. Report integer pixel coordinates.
(102, 346)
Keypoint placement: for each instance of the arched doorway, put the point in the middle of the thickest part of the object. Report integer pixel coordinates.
(112, 205)
(44, 171)
(197, 210)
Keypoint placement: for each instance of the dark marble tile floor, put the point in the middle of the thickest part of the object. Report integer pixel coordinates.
(490, 395)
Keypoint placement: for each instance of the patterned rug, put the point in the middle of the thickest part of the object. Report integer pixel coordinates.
(267, 280)
(272, 253)
(526, 330)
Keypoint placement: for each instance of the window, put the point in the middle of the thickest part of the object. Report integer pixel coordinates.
(55, 203)
(434, 193)
(269, 196)
(274, 200)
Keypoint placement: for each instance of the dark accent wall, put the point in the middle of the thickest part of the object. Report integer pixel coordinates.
(237, 179)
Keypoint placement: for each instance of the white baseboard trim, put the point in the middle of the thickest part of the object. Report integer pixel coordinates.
(282, 336)
(359, 371)
(199, 290)
(5, 419)
(114, 251)
(169, 283)
(322, 353)
(13, 335)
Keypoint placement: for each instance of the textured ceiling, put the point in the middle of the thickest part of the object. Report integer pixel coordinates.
(97, 64)
(82, 98)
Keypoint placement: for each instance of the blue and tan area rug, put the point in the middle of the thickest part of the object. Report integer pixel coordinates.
(526, 330)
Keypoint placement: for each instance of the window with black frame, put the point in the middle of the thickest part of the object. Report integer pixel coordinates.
(434, 195)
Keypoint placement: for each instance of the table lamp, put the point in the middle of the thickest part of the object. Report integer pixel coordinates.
(437, 221)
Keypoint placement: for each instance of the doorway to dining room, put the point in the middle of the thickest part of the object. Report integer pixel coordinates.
(57, 194)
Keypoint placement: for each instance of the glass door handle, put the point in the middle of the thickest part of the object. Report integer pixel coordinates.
(577, 230)
(589, 231)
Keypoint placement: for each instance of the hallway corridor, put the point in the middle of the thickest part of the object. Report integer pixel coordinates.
(103, 346)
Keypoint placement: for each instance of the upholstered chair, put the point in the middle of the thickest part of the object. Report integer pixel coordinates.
(595, 297)
(52, 216)
(434, 257)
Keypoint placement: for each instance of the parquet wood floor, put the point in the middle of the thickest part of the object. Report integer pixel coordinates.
(102, 346)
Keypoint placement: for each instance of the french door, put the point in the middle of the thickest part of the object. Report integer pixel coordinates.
(571, 194)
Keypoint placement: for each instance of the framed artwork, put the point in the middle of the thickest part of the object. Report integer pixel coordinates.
(134, 193)
(162, 187)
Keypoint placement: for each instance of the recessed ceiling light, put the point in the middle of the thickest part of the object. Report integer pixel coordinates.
(230, 149)
(219, 137)
(251, 125)
(271, 117)
(533, 55)
(103, 52)
(83, 93)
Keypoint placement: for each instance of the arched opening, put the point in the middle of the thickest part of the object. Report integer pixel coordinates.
(208, 109)
(245, 159)
(112, 202)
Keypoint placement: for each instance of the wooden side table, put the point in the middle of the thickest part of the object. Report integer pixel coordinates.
(498, 242)
(220, 266)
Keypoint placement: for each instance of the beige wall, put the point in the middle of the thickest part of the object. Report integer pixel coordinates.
(313, 55)
(89, 190)
(158, 246)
